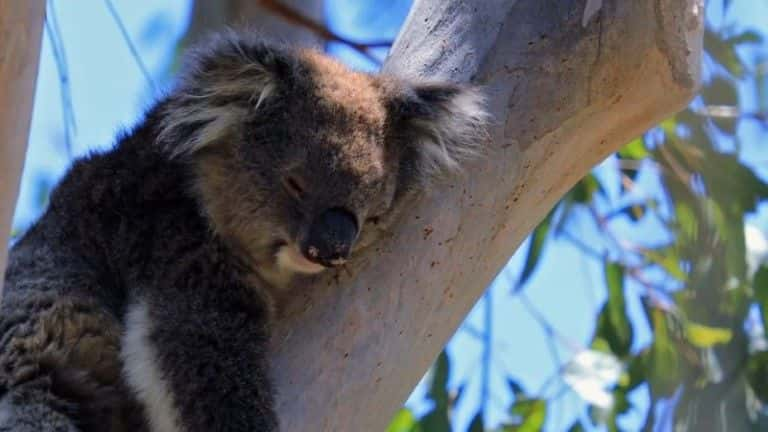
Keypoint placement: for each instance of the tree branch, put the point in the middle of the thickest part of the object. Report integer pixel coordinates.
(21, 27)
(131, 46)
(564, 96)
(322, 31)
(210, 15)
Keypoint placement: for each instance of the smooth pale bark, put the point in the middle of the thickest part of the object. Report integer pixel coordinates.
(564, 96)
(21, 27)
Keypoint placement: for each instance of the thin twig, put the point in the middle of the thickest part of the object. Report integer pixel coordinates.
(296, 17)
(548, 328)
(655, 292)
(622, 246)
(130, 44)
(674, 166)
(729, 112)
(582, 246)
(485, 383)
(63, 54)
(629, 164)
(472, 330)
(65, 92)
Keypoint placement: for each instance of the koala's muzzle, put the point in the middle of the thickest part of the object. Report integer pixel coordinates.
(330, 238)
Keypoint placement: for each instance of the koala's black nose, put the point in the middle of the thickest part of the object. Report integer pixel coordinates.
(330, 237)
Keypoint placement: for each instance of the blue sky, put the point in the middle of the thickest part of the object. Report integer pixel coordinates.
(108, 92)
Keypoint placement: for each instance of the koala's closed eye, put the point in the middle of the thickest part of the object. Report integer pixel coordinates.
(294, 185)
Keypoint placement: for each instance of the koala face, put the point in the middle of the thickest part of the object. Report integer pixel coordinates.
(300, 161)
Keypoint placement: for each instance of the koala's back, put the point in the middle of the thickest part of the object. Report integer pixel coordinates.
(69, 281)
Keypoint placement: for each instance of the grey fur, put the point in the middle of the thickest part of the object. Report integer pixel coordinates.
(142, 298)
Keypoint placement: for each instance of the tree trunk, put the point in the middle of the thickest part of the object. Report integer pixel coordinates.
(565, 94)
(21, 27)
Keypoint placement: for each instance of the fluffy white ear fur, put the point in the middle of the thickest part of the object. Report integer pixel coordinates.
(449, 122)
(222, 82)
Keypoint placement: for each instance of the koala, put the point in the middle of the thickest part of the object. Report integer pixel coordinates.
(141, 300)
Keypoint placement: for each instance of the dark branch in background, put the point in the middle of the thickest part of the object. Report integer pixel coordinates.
(53, 33)
(131, 46)
(296, 17)
(582, 246)
(730, 112)
(553, 335)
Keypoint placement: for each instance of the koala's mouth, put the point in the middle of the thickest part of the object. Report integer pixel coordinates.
(326, 243)
(289, 258)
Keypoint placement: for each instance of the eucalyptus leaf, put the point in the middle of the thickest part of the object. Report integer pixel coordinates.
(612, 323)
(703, 336)
(634, 150)
(535, 249)
(760, 289)
(757, 374)
(724, 53)
(530, 415)
(403, 421)
(664, 363)
(477, 423)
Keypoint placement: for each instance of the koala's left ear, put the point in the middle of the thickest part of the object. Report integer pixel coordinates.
(225, 78)
(442, 124)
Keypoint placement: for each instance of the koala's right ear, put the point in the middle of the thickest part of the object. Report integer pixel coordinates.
(222, 80)
(441, 125)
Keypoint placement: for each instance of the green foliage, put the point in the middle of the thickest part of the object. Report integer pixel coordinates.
(663, 361)
(613, 326)
(635, 150)
(477, 423)
(697, 288)
(538, 239)
(709, 192)
(404, 421)
(528, 416)
(702, 336)
(757, 374)
(760, 289)
(723, 49)
(584, 191)
(438, 418)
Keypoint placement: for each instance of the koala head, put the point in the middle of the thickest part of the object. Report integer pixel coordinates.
(300, 161)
